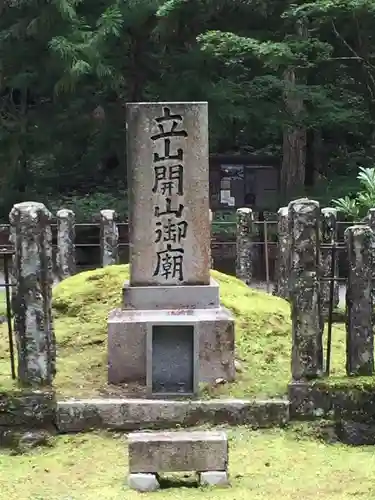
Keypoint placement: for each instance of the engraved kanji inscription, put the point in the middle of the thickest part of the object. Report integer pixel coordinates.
(173, 131)
(166, 131)
(169, 183)
(170, 263)
(168, 209)
(169, 180)
(167, 153)
(171, 231)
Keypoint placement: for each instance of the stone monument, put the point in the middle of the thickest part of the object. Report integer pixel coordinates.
(171, 333)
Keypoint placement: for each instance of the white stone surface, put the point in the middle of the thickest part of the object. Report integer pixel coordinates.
(214, 478)
(143, 482)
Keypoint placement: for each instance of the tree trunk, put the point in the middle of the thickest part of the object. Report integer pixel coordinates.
(23, 167)
(314, 158)
(292, 176)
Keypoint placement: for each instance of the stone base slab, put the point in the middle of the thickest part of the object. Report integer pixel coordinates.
(23, 439)
(157, 452)
(308, 400)
(171, 297)
(136, 414)
(143, 482)
(356, 433)
(27, 409)
(343, 401)
(127, 342)
(214, 478)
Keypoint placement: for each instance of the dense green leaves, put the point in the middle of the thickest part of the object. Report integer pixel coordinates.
(354, 207)
(271, 72)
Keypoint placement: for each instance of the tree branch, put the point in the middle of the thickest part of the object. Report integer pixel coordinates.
(366, 63)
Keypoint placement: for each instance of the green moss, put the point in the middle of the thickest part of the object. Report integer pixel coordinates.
(263, 465)
(343, 383)
(81, 305)
(3, 303)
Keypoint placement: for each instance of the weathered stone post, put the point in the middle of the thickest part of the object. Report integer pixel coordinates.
(307, 321)
(32, 271)
(329, 236)
(370, 219)
(66, 258)
(371, 223)
(359, 334)
(211, 258)
(243, 239)
(108, 238)
(283, 254)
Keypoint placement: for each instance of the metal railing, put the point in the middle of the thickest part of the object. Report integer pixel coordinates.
(223, 235)
(5, 256)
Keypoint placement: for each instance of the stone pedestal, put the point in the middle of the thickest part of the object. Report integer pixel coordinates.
(171, 297)
(172, 332)
(134, 353)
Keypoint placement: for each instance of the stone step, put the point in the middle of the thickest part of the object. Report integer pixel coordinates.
(136, 414)
(197, 451)
(152, 453)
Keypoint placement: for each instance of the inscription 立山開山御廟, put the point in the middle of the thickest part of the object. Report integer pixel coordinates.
(169, 194)
(170, 226)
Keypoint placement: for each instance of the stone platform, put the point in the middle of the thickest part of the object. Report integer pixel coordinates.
(130, 349)
(204, 452)
(171, 297)
(154, 414)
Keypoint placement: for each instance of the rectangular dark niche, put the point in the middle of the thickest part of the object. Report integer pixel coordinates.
(171, 360)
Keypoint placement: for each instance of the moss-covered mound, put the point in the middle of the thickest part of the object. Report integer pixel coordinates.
(81, 306)
(82, 303)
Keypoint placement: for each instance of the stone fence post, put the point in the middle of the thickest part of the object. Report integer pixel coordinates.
(359, 334)
(244, 230)
(371, 223)
(307, 321)
(370, 219)
(211, 258)
(329, 237)
(108, 238)
(66, 258)
(32, 270)
(283, 255)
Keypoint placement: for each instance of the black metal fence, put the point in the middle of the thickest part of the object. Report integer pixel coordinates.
(6, 256)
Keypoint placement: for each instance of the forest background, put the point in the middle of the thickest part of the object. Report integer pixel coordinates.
(294, 80)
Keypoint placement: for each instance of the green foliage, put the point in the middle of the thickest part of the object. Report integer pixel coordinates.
(358, 206)
(347, 206)
(275, 55)
(271, 463)
(87, 207)
(224, 224)
(75, 63)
